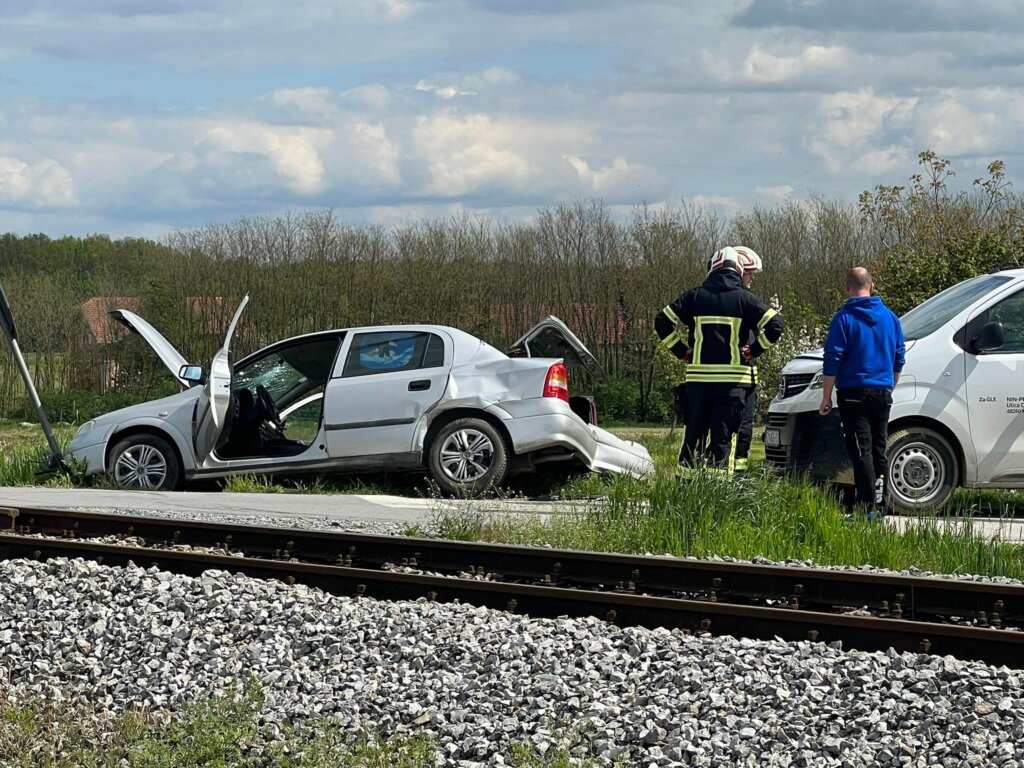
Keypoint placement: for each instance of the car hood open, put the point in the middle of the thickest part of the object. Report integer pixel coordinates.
(552, 338)
(168, 355)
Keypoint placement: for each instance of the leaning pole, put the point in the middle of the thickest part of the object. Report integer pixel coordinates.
(11, 332)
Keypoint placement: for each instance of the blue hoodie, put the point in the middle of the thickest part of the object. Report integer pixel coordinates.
(865, 345)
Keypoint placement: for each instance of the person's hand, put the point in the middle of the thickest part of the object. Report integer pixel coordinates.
(687, 356)
(746, 354)
(826, 406)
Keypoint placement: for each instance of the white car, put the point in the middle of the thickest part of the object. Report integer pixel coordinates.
(374, 398)
(958, 412)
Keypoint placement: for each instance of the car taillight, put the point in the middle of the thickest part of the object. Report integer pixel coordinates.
(557, 382)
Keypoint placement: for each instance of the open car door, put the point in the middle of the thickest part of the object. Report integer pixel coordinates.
(213, 409)
(552, 338)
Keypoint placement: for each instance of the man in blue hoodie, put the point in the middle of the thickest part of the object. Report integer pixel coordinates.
(864, 356)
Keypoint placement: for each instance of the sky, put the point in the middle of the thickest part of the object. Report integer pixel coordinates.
(140, 117)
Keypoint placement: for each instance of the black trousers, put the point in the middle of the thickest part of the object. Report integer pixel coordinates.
(745, 435)
(679, 402)
(713, 416)
(864, 414)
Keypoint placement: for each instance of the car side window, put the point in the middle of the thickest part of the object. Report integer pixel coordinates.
(390, 351)
(1010, 312)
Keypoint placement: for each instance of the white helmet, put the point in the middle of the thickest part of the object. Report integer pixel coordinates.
(749, 260)
(727, 257)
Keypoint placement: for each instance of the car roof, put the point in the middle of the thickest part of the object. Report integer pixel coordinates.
(465, 343)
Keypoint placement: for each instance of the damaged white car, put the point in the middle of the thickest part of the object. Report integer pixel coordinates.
(375, 398)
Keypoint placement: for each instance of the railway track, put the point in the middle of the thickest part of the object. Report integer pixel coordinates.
(866, 611)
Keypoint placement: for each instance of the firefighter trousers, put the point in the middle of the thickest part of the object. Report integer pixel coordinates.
(714, 413)
(745, 435)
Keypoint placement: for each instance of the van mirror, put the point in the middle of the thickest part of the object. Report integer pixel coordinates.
(193, 374)
(991, 337)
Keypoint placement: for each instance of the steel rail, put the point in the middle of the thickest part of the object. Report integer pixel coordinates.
(864, 633)
(800, 588)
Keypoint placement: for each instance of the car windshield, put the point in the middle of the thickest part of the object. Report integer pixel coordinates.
(930, 315)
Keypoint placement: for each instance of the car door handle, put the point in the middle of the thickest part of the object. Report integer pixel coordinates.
(419, 385)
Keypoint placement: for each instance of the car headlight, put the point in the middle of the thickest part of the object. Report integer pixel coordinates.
(86, 427)
(818, 382)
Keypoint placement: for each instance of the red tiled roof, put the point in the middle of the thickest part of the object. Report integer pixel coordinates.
(210, 312)
(96, 311)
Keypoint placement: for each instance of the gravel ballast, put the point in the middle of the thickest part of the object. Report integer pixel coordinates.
(478, 681)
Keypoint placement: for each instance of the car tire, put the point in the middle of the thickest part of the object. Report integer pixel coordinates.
(145, 462)
(468, 456)
(923, 471)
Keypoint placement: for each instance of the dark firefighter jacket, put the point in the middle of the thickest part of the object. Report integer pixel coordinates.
(719, 318)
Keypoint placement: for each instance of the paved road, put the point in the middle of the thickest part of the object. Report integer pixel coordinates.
(376, 508)
(380, 508)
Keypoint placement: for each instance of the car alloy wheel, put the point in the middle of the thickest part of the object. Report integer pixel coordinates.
(466, 455)
(144, 460)
(141, 465)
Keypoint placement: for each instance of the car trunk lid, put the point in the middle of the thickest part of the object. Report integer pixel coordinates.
(551, 338)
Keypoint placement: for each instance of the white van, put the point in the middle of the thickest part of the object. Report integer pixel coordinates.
(958, 412)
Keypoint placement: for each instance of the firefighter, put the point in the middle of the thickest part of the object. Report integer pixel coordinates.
(751, 264)
(717, 318)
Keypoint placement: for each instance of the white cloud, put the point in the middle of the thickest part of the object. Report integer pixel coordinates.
(374, 97)
(854, 128)
(466, 153)
(727, 203)
(777, 192)
(445, 92)
(616, 179)
(42, 184)
(314, 100)
(291, 152)
(763, 66)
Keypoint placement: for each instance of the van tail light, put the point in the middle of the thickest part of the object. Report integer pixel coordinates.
(593, 412)
(557, 382)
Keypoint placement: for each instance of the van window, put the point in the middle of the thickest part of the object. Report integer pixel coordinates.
(928, 316)
(1009, 312)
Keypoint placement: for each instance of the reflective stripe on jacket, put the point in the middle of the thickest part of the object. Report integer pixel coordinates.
(719, 317)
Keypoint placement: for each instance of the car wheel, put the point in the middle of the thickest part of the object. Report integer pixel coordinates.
(924, 470)
(468, 455)
(145, 462)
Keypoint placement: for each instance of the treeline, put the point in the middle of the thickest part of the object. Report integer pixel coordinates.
(605, 277)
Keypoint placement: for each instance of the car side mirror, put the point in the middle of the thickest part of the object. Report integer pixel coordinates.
(991, 337)
(193, 374)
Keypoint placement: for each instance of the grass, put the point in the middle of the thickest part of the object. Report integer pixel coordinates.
(23, 452)
(223, 731)
(761, 515)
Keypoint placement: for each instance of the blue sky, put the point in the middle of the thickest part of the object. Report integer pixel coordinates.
(132, 117)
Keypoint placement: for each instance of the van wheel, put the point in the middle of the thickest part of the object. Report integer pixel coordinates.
(923, 470)
(145, 462)
(468, 456)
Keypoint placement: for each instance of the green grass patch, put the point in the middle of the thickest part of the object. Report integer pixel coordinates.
(223, 731)
(759, 515)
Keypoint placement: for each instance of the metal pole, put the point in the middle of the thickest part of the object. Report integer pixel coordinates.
(34, 396)
(11, 332)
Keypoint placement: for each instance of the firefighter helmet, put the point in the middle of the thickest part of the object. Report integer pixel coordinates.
(749, 260)
(728, 258)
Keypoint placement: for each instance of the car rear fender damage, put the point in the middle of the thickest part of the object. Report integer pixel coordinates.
(493, 415)
(160, 429)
